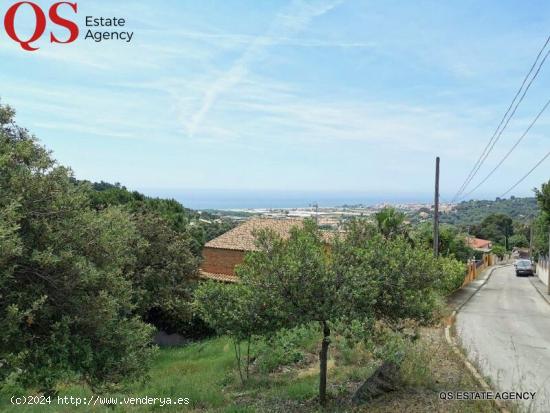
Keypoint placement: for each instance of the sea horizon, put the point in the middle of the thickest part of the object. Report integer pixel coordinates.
(203, 199)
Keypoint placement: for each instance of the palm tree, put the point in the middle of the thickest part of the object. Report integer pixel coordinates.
(390, 222)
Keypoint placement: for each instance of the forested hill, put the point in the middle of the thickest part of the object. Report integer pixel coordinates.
(201, 225)
(473, 212)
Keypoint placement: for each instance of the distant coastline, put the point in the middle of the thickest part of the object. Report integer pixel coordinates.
(226, 199)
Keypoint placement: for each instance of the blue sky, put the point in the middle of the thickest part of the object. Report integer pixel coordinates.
(327, 95)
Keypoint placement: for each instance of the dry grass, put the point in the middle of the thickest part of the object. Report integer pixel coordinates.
(429, 367)
(205, 373)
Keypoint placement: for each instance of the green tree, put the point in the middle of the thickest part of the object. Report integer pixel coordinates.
(390, 222)
(543, 197)
(281, 269)
(238, 311)
(364, 276)
(542, 223)
(198, 227)
(407, 277)
(518, 240)
(498, 250)
(167, 258)
(164, 273)
(495, 227)
(66, 302)
(452, 242)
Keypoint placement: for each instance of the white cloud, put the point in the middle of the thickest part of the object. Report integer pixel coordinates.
(294, 19)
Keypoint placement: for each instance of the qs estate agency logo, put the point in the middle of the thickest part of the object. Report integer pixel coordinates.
(27, 22)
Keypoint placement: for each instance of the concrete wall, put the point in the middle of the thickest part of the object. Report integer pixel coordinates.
(474, 269)
(543, 268)
(221, 261)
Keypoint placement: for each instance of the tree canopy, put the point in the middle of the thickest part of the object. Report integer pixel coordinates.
(542, 223)
(66, 299)
(364, 275)
(82, 270)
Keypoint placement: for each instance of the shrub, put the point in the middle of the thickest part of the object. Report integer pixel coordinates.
(452, 273)
(298, 281)
(66, 306)
(416, 366)
(286, 347)
(499, 251)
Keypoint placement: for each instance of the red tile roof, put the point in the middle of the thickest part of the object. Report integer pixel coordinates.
(218, 277)
(242, 237)
(479, 243)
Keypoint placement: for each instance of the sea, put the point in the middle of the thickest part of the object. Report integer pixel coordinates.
(203, 199)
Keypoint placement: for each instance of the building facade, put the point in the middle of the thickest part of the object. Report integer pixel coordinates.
(222, 254)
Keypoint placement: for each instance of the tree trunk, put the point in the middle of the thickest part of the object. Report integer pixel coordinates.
(237, 346)
(248, 357)
(323, 357)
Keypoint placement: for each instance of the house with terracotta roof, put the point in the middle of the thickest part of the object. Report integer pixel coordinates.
(222, 254)
(479, 244)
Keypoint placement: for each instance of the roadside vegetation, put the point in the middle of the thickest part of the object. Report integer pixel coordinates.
(205, 373)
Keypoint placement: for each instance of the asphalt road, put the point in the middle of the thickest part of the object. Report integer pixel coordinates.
(505, 330)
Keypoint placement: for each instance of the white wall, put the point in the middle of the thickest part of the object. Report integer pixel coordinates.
(542, 271)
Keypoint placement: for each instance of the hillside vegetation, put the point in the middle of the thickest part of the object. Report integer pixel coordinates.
(204, 373)
(474, 212)
(201, 226)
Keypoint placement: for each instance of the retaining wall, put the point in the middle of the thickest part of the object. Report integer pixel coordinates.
(543, 270)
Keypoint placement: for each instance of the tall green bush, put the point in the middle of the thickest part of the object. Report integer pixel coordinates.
(66, 300)
(363, 275)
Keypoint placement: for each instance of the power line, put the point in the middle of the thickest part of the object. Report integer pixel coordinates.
(526, 175)
(513, 112)
(510, 151)
(499, 134)
(496, 135)
(473, 171)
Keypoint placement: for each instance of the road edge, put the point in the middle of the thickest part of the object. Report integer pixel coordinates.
(458, 350)
(545, 297)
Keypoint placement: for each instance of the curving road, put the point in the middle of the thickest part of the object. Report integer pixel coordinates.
(505, 330)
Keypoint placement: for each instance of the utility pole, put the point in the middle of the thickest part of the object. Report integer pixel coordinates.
(317, 213)
(436, 209)
(469, 240)
(316, 205)
(506, 240)
(531, 241)
(548, 263)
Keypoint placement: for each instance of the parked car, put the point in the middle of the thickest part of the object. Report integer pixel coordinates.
(523, 267)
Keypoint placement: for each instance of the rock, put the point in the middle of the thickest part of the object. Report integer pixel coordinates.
(162, 339)
(382, 381)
